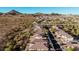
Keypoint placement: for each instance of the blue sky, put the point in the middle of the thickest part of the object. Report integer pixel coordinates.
(60, 10)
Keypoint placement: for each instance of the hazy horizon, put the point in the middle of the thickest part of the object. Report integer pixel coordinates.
(46, 10)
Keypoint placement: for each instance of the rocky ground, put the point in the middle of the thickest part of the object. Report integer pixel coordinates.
(37, 41)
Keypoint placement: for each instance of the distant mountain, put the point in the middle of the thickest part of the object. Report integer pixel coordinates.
(55, 14)
(13, 12)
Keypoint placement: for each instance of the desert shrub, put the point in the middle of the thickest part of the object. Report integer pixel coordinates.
(70, 49)
(13, 26)
(9, 48)
(12, 43)
(53, 30)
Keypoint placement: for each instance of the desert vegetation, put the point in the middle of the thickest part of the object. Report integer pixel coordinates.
(17, 28)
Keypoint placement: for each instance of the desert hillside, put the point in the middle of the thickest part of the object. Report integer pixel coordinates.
(30, 32)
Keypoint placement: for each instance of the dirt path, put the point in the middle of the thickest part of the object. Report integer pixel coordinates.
(37, 41)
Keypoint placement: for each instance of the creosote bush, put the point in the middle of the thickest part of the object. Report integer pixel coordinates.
(70, 49)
